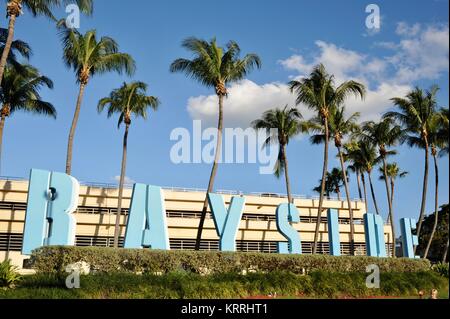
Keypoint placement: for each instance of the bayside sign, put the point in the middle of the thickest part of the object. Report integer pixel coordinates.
(53, 197)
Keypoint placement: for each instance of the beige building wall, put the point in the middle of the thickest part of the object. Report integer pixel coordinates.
(96, 216)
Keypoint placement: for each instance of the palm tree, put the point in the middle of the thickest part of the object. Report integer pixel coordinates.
(128, 100)
(444, 132)
(339, 127)
(415, 113)
(444, 257)
(382, 135)
(438, 140)
(351, 155)
(214, 67)
(37, 8)
(20, 92)
(393, 173)
(319, 93)
(364, 158)
(17, 47)
(333, 183)
(390, 173)
(89, 56)
(287, 123)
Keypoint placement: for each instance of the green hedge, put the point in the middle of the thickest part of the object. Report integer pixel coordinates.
(228, 286)
(146, 261)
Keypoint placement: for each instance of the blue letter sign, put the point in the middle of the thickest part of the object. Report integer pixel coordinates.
(52, 197)
(147, 222)
(333, 232)
(409, 240)
(374, 229)
(287, 214)
(226, 221)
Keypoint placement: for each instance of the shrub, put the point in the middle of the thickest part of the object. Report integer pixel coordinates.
(441, 269)
(9, 276)
(185, 285)
(146, 261)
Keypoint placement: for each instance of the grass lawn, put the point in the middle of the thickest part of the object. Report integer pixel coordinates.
(185, 285)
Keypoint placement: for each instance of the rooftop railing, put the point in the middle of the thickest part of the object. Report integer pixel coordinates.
(193, 190)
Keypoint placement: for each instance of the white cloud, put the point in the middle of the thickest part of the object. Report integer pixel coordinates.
(377, 101)
(347, 64)
(296, 62)
(127, 181)
(405, 29)
(246, 102)
(421, 53)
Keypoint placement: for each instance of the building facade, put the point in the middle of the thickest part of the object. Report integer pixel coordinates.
(97, 211)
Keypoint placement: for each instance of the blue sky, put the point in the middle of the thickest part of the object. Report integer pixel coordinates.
(411, 48)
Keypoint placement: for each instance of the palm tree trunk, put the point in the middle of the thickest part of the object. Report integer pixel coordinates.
(373, 194)
(392, 192)
(322, 191)
(363, 178)
(349, 203)
(389, 198)
(444, 258)
(436, 207)
(286, 175)
(338, 193)
(73, 128)
(391, 182)
(2, 126)
(121, 184)
(392, 204)
(358, 180)
(8, 44)
(424, 192)
(213, 173)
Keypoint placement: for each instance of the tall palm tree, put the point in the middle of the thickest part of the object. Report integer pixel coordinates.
(444, 113)
(390, 173)
(351, 155)
(444, 256)
(415, 113)
(319, 93)
(382, 135)
(128, 100)
(287, 122)
(36, 8)
(438, 140)
(20, 92)
(393, 173)
(364, 158)
(214, 67)
(89, 56)
(18, 47)
(334, 183)
(339, 127)
(444, 132)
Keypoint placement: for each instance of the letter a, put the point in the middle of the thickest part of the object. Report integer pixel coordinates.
(147, 222)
